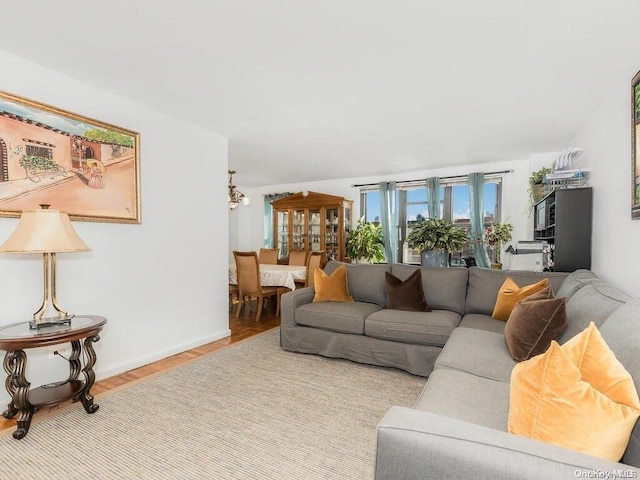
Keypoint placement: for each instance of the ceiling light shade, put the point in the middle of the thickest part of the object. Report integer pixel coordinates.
(46, 232)
(235, 197)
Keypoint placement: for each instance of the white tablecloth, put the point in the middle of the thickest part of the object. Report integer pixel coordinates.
(275, 275)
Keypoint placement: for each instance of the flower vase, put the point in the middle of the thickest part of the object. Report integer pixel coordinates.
(497, 264)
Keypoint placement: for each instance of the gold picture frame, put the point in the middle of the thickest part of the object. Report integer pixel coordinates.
(635, 147)
(87, 168)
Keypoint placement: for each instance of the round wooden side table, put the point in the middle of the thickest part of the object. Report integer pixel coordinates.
(18, 337)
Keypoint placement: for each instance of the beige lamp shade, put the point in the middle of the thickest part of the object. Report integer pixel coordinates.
(44, 231)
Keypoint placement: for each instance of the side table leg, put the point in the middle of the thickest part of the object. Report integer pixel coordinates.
(74, 360)
(9, 367)
(85, 394)
(20, 387)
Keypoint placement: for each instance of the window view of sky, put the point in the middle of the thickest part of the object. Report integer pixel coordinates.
(417, 198)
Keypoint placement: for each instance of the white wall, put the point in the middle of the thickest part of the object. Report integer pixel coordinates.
(606, 139)
(161, 284)
(247, 231)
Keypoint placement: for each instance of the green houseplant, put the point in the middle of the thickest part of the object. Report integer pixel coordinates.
(536, 189)
(365, 242)
(436, 235)
(496, 235)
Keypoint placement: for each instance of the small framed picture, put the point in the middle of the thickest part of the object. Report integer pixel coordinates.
(635, 147)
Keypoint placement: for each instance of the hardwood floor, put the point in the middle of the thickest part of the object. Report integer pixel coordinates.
(241, 328)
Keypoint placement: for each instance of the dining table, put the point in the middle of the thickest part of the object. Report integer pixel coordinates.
(273, 275)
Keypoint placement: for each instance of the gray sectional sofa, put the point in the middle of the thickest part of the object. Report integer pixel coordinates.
(458, 427)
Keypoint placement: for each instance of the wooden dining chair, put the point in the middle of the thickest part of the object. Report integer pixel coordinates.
(298, 257)
(249, 287)
(314, 260)
(268, 256)
(234, 294)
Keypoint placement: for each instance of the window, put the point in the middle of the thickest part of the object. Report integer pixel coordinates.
(454, 206)
(43, 152)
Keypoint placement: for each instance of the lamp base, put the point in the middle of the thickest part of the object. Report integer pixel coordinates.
(50, 322)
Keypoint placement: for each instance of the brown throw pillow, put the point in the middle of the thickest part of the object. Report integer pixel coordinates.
(407, 295)
(534, 322)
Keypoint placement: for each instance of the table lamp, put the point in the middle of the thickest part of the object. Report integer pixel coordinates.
(47, 232)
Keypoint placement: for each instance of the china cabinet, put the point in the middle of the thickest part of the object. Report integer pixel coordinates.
(311, 221)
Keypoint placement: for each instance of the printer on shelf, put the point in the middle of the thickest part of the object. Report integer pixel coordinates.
(527, 256)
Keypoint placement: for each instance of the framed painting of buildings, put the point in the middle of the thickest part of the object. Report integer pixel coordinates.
(84, 167)
(635, 147)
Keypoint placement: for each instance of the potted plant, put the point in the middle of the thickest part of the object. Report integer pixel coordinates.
(496, 235)
(536, 188)
(365, 243)
(435, 239)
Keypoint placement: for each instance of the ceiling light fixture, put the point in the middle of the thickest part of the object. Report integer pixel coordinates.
(235, 197)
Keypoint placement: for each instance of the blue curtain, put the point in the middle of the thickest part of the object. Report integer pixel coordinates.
(476, 208)
(433, 196)
(389, 220)
(268, 217)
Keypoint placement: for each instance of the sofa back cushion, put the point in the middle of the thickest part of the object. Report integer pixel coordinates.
(485, 283)
(621, 331)
(574, 282)
(592, 303)
(366, 281)
(444, 288)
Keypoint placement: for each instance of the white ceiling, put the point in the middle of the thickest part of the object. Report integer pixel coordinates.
(312, 90)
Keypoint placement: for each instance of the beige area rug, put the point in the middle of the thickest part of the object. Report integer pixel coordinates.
(251, 411)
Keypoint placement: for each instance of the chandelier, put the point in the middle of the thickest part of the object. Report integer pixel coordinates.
(235, 197)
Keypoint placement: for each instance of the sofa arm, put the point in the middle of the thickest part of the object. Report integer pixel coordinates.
(292, 300)
(413, 444)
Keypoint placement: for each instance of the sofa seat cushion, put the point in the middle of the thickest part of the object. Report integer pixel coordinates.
(482, 322)
(345, 317)
(466, 397)
(477, 352)
(427, 328)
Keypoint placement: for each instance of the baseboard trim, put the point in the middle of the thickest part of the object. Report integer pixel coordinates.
(139, 362)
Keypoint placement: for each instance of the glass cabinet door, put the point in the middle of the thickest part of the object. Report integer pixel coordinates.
(314, 230)
(298, 232)
(331, 234)
(283, 234)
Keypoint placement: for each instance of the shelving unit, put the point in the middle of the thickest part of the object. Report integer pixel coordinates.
(315, 222)
(563, 220)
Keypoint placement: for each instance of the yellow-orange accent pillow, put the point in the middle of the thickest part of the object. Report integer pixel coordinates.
(510, 293)
(577, 396)
(331, 288)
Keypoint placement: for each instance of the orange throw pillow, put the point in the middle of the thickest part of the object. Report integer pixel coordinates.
(331, 288)
(577, 396)
(510, 293)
